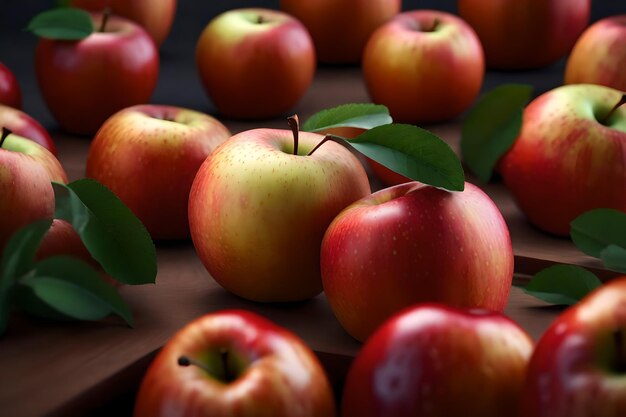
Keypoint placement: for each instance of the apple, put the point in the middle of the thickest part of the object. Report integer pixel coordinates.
(26, 172)
(577, 368)
(340, 30)
(415, 243)
(599, 55)
(84, 82)
(569, 156)
(525, 34)
(23, 125)
(10, 92)
(426, 66)
(235, 363)
(437, 361)
(255, 63)
(258, 211)
(148, 155)
(156, 17)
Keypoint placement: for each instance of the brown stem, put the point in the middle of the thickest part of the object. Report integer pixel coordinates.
(5, 132)
(435, 25)
(228, 375)
(187, 361)
(295, 129)
(105, 18)
(620, 350)
(260, 19)
(620, 103)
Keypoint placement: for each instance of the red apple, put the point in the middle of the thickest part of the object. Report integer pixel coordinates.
(341, 29)
(10, 92)
(257, 211)
(84, 82)
(23, 125)
(437, 361)
(148, 155)
(569, 156)
(414, 243)
(425, 66)
(599, 55)
(241, 365)
(255, 63)
(578, 366)
(156, 17)
(524, 34)
(26, 172)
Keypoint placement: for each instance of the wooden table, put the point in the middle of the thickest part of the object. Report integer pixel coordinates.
(72, 368)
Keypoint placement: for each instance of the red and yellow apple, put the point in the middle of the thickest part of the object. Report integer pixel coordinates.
(425, 66)
(235, 363)
(437, 361)
(524, 34)
(10, 92)
(23, 125)
(599, 55)
(569, 156)
(340, 29)
(258, 211)
(255, 63)
(148, 155)
(415, 243)
(84, 82)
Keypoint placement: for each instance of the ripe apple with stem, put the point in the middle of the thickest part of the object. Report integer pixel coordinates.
(10, 92)
(568, 156)
(234, 362)
(148, 155)
(84, 82)
(26, 172)
(437, 361)
(24, 125)
(259, 207)
(415, 243)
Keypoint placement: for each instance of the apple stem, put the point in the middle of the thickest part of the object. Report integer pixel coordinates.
(435, 25)
(5, 132)
(105, 18)
(260, 19)
(620, 350)
(187, 361)
(295, 128)
(620, 103)
(228, 376)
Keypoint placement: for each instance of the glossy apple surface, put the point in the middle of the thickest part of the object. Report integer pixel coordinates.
(148, 155)
(23, 125)
(415, 243)
(156, 17)
(437, 361)
(340, 29)
(567, 159)
(425, 66)
(524, 34)
(579, 364)
(26, 172)
(255, 63)
(599, 55)
(253, 368)
(257, 212)
(10, 92)
(84, 82)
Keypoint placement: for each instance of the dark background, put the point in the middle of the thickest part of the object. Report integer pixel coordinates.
(178, 81)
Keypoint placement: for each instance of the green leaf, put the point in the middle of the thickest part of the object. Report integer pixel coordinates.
(614, 258)
(562, 284)
(492, 126)
(596, 229)
(17, 260)
(109, 230)
(361, 115)
(74, 289)
(65, 23)
(413, 152)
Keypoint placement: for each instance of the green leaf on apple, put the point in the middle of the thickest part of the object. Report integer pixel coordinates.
(109, 230)
(597, 229)
(358, 115)
(492, 126)
(74, 289)
(562, 284)
(413, 152)
(614, 258)
(65, 23)
(17, 259)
